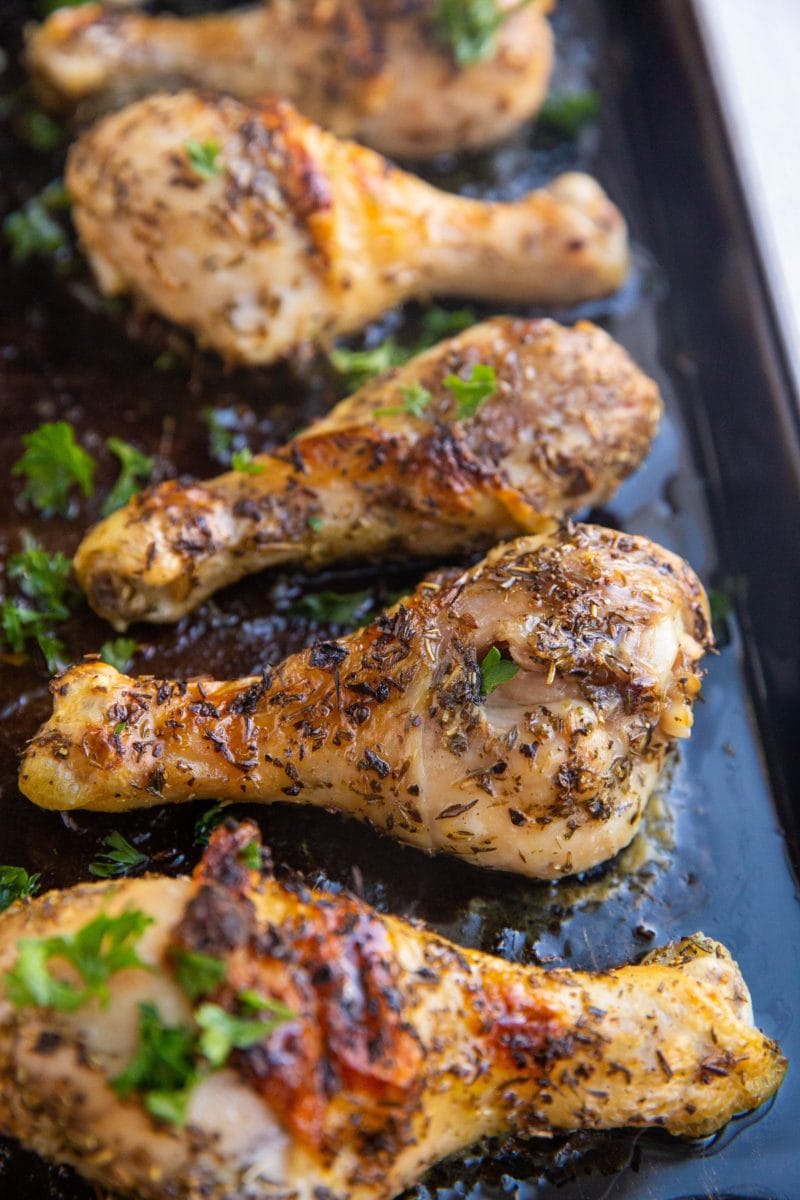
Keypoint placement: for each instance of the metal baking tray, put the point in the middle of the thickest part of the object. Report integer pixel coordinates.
(722, 487)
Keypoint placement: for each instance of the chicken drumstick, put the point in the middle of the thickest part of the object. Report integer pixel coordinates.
(375, 70)
(516, 715)
(293, 1043)
(391, 470)
(261, 232)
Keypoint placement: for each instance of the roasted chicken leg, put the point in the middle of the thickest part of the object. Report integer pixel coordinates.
(376, 70)
(261, 232)
(381, 1047)
(393, 470)
(517, 714)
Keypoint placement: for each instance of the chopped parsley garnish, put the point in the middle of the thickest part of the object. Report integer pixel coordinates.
(202, 157)
(95, 953)
(135, 470)
(470, 26)
(416, 399)
(242, 460)
(315, 522)
(52, 465)
(250, 855)
(222, 1032)
(496, 670)
(357, 367)
(204, 826)
(163, 1069)
(165, 361)
(15, 884)
(171, 1059)
(41, 132)
(43, 577)
(250, 998)
(198, 973)
(44, 581)
(470, 393)
(568, 113)
(118, 652)
(335, 608)
(119, 858)
(32, 229)
(439, 323)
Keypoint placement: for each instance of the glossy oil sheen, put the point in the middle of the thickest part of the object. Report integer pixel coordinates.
(721, 488)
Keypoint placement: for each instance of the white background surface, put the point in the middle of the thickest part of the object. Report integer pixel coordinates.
(754, 47)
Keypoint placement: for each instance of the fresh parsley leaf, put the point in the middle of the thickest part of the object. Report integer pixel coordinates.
(165, 361)
(496, 670)
(20, 624)
(95, 952)
(242, 460)
(136, 469)
(43, 578)
(416, 399)
(470, 393)
(202, 157)
(32, 229)
(250, 855)
(119, 858)
(15, 884)
(469, 27)
(204, 826)
(357, 367)
(568, 113)
(198, 973)
(223, 1032)
(439, 323)
(52, 465)
(252, 999)
(315, 522)
(118, 652)
(163, 1069)
(41, 132)
(335, 608)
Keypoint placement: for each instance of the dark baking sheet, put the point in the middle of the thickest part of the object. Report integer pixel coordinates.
(722, 487)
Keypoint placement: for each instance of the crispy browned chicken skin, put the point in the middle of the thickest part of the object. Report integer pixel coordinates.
(547, 774)
(375, 70)
(570, 417)
(287, 235)
(396, 1048)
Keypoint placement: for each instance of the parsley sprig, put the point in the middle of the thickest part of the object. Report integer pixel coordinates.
(34, 229)
(242, 460)
(357, 367)
(119, 858)
(15, 884)
(335, 608)
(416, 399)
(119, 652)
(52, 465)
(470, 27)
(470, 393)
(44, 581)
(203, 157)
(496, 670)
(568, 113)
(136, 469)
(94, 953)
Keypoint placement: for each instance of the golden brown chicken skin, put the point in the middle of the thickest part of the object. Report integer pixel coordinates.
(517, 714)
(385, 476)
(377, 70)
(392, 1049)
(262, 233)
